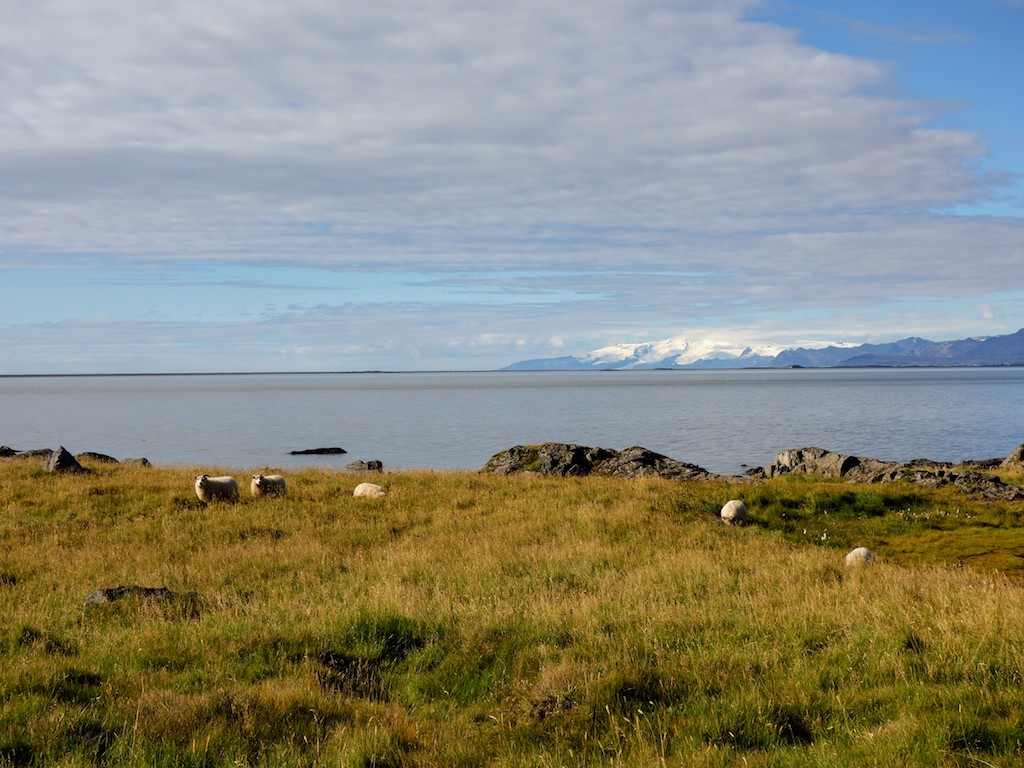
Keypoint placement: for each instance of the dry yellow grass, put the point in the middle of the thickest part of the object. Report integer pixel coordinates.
(475, 620)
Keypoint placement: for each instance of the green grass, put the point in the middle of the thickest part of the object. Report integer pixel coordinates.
(472, 620)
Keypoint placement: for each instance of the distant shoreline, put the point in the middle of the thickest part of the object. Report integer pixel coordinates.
(502, 370)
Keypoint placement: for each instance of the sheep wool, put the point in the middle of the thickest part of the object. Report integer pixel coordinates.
(268, 485)
(859, 557)
(210, 488)
(734, 512)
(369, 491)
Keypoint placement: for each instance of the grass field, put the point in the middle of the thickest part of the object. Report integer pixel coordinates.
(474, 620)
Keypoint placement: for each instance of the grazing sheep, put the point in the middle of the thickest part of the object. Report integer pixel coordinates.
(369, 491)
(267, 485)
(210, 488)
(859, 556)
(734, 512)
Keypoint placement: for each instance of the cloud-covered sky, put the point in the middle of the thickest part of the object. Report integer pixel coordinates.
(196, 185)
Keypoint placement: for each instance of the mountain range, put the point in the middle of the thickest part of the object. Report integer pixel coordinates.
(681, 353)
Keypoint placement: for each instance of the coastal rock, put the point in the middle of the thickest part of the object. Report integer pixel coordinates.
(62, 461)
(570, 460)
(139, 462)
(818, 461)
(640, 462)
(318, 452)
(1015, 460)
(98, 458)
(35, 453)
(373, 465)
(822, 463)
(976, 483)
(6, 452)
(558, 459)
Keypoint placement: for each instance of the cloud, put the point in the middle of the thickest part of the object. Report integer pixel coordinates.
(539, 168)
(206, 119)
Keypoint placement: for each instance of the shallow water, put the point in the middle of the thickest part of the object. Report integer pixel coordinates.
(723, 421)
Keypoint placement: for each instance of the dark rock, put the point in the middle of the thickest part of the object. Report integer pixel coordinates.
(569, 460)
(929, 463)
(373, 465)
(112, 594)
(318, 452)
(640, 462)
(6, 452)
(979, 463)
(35, 453)
(140, 462)
(98, 458)
(62, 461)
(816, 461)
(558, 459)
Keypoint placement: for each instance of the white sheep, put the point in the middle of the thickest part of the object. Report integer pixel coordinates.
(369, 491)
(210, 488)
(267, 485)
(859, 556)
(734, 512)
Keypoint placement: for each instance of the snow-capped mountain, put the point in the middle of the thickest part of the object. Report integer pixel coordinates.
(680, 352)
(674, 353)
(677, 352)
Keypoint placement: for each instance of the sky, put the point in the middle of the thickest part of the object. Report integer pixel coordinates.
(330, 185)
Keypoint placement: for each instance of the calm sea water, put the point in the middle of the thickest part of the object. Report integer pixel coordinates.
(723, 421)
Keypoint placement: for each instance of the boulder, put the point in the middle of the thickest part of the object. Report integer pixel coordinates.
(6, 452)
(373, 465)
(1015, 460)
(139, 462)
(62, 461)
(570, 460)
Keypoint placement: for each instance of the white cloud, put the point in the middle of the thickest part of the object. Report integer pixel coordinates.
(674, 163)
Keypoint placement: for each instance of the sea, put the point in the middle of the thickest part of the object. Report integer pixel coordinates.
(724, 421)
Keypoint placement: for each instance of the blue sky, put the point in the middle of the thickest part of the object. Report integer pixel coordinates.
(207, 185)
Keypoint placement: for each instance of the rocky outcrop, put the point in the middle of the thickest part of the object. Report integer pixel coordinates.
(818, 461)
(569, 460)
(640, 462)
(62, 461)
(317, 452)
(6, 452)
(34, 453)
(96, 458)
(1015, 460)
(822, 463)
(975, 483)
